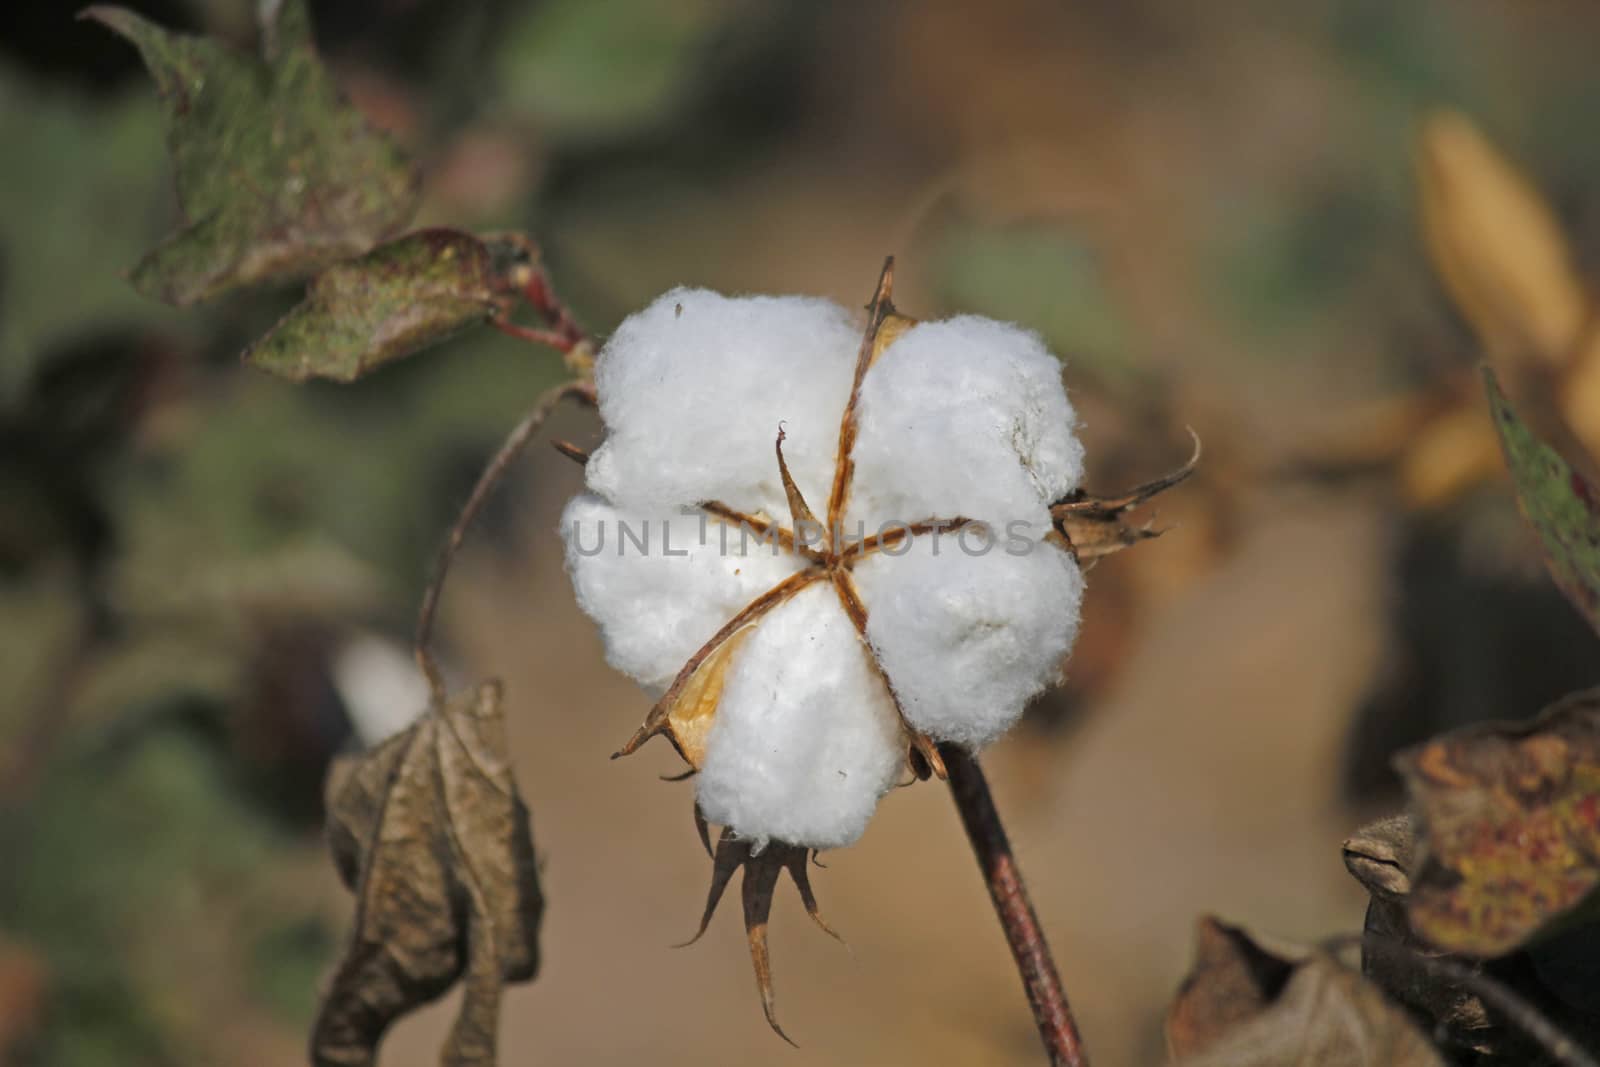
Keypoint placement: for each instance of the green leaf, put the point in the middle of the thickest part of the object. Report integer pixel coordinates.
(1558, 501)
(277, 174)
(396, 299)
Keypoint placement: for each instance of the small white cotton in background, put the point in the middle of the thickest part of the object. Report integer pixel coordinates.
(966, 417)
(693, 389)
(382, 689)
(969, 638)
(656, 607)
(805, 741)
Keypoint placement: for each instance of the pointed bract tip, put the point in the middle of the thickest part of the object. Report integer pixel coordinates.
(572, 452)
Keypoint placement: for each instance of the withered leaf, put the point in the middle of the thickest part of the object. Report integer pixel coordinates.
(277, 175)
(1520, 1009)
(1243, 1006)
(429, 832)
(398, 298)
(1559, 501)
(1232, 980)
(1510, 818)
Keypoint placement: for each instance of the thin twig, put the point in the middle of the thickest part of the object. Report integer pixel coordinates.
(1029, 949)
(487, 481)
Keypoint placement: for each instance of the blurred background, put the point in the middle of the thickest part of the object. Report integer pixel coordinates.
(1210, 211)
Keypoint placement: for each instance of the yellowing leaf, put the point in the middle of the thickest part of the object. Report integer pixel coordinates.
(1497, 245)
(1510, 818)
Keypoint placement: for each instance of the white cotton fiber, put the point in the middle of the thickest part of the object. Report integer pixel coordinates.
(806, 739)
(655, 610)
(966, 418)
(693, 388)
(969, 639)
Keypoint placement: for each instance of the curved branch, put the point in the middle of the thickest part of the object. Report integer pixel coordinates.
(491, 477)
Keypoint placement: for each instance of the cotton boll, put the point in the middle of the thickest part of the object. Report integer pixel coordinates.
(806, 739)
(693, 388)
(968, 639)
(656, 609)
(966, 418)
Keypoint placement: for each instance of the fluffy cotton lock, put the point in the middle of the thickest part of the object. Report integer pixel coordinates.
(796, 678)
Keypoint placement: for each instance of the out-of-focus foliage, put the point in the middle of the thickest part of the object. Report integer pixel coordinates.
(588, 72)
(83, 185)
(1251, 247)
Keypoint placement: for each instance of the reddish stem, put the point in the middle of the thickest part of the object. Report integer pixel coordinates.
(1057, 1029)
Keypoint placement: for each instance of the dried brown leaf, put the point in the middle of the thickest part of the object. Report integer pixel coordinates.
(429, 832)
(1231, 981)
(1510, 815)
(1245, 1007)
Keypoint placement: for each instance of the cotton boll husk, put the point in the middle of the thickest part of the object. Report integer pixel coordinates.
(806, 739)
(693, 388)
(967, 639)
(655, 610)
(965, 417)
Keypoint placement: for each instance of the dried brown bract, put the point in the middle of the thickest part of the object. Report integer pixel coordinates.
(762, 868)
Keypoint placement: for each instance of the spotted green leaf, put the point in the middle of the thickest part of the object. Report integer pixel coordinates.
(1559, 501)
(400, 297)
(277, 175)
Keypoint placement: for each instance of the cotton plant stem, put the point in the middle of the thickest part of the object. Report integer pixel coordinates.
(1057, 1029)
(487, 481)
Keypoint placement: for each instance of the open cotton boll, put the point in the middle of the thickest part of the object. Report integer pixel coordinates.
(806, 739)
(692, 390)
(968, 639)
(968, 418)
(656, 609)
